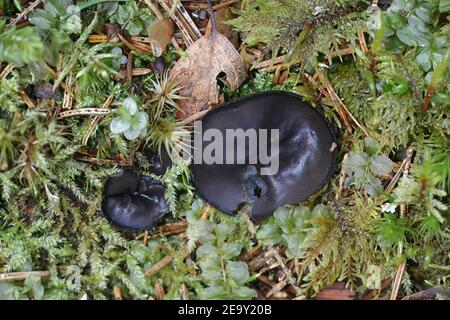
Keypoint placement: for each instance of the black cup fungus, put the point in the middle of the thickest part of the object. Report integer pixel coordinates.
(307, 155)
(159, 163)
(134, 202)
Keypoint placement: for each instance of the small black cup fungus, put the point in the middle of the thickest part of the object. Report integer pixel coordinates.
(306, 154)
(134, 202)
(159, 163)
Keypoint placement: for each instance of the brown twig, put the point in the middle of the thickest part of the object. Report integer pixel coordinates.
(401, 268)
(24, 13)
(159, 291)
(7, 70)
(83, 112)
(182, 19)
(16, 276)
(184, 292)
(117, 293)
(165, 262)
(96, 120)
(405, 163)
(26, 99)
(287, 272)
(130, 66)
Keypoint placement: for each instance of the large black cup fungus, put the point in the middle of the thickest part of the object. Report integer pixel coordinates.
(134, 202)
(307, 154)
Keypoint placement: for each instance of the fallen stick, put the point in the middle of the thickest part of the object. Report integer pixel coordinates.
(24, 13)
(165, 262)
(15, 276)
(83, 112)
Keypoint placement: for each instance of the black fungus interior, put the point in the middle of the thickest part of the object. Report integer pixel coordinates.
(306, 161)
(134, 202)
(159, 163)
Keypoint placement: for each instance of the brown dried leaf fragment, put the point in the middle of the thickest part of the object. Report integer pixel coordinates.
(160, 33)
(197, 74)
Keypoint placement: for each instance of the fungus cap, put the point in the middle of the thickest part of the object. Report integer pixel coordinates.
(134, 202)
(307, 154)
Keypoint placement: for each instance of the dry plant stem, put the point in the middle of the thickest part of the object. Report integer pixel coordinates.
(212, 17)
(154, 9)
(194, 117)
(135, 46)
(140, 71)
(122, 163)
(165, 262)
(167, 229)
(15, 276)
(68, 98)
(277, 287)
(83, 112)
(197, 6)
(206, 211)
(333, 95)
(401, 268)
(397, 280)
(129, 66)
(117, 293)
(26, 99)
(54, 75)
(184, 292)
(24, 13)
(341, 179)
(269, 62)
(289, 277)
(406, 161)
(145, 237)
(7, 70)
(182, 19)
(159, 291)
(362, 41)
(159, 265)
(95, 121)
(427, 99)
(225, 4)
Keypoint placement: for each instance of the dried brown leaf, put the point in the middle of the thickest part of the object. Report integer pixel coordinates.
(160, 33)
(197, 73)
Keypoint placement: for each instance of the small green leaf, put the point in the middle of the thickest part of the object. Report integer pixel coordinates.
(371, 145)
(412, 37)
(444, 5)
(120, 124)
(381, 165)
(130, 105)
(356, 163)
(238, 271)
(139, 121)
(132, 133)
(283, 219)
(269, 234)
(373, 185)
(135, 27)
(20, 46)
(42, 19)
(424, 14)
(207, 250)
(231, 250)
(424, 60)
(121, 15)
